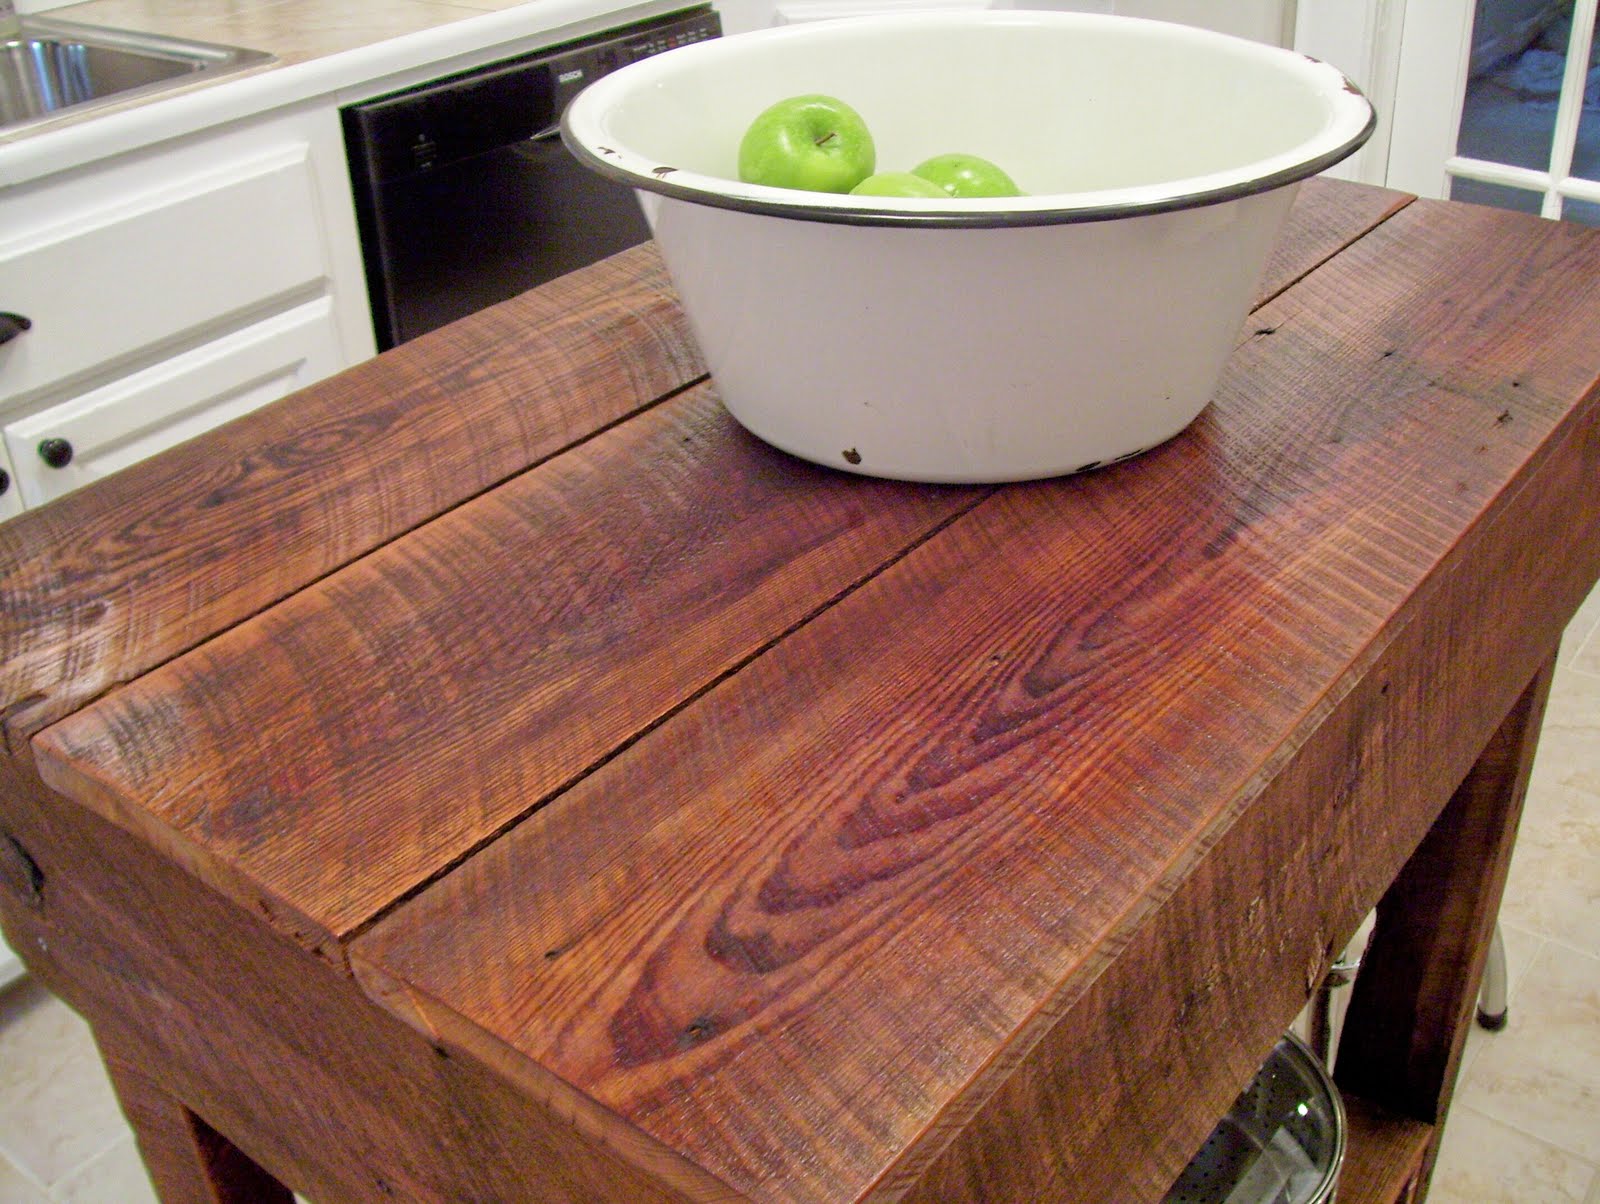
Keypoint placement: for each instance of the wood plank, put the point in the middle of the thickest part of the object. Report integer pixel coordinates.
(1408, 1022)
(1203, 1020)
(189, 1162)
(1288, 881)
(134, 569)
(1384, 1155)
(287, 1060)
(1326, 217)
(109, 961)
(571, 630)
(481, 664)
(947, 808)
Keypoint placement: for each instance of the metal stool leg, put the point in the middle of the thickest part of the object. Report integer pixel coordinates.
(1492, 993)
(1341, 974)
(1491, 996)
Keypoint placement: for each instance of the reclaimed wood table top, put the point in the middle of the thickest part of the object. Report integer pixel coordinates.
(790, 835)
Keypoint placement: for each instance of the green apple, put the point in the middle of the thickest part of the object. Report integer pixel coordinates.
(813, 142)
(898, 183)
(961, 175)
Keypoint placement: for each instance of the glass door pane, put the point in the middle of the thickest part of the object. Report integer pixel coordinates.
(1586, 154)
(1519, 53)
(1529, 135)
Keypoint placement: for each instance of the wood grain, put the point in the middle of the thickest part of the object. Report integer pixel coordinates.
(190, 1162)
(478, 666)
(1408, 1022)
(1289, 879)
(588, 618)
(905, 843)
(1385, 1150)
(134, 569)
(941, 812)
(1325, 215)
(254, 1036)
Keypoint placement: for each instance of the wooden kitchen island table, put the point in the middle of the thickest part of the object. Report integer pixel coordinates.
(491, 775)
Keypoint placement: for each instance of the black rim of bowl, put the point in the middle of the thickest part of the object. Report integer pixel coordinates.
(659, 180)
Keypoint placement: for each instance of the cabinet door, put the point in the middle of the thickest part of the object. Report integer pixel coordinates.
(10, 487)
(167, 263)
(57, 450)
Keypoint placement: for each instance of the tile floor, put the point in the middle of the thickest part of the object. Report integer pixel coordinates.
(1525, 1125)
(1525, 1128)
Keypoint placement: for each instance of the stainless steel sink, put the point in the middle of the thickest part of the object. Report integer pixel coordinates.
(55, 67)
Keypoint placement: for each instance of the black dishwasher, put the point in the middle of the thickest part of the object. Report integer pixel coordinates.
(463, 191)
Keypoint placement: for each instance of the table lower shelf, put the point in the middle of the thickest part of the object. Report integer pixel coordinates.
(1384, 1154)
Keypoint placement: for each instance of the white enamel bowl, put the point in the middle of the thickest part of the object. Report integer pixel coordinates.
(978, 340)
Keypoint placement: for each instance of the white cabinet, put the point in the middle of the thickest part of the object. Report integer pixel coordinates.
(61, 447)
(10, 488)
(171, 290)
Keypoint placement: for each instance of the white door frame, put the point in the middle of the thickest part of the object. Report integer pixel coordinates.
(1412, 58)
(1555, 182)
(1363, 39)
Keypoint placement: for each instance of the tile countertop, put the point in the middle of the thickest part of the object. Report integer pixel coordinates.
(334, 50)
(296, 31)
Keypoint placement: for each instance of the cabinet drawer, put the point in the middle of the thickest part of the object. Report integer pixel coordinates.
(159, 268)
(59, 449)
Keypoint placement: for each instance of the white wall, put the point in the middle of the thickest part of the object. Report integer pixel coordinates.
(1263, 20)
(1362, 38)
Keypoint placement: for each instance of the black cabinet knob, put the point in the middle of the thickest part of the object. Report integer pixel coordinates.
(5, 482)
(11, 325)
(55, 452)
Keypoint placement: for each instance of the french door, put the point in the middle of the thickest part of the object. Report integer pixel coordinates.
(1493, 101)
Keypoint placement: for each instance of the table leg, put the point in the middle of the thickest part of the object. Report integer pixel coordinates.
(188, 1161)
(1411, 1006)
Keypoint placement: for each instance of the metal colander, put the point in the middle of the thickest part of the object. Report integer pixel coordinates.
(1282, 1142)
